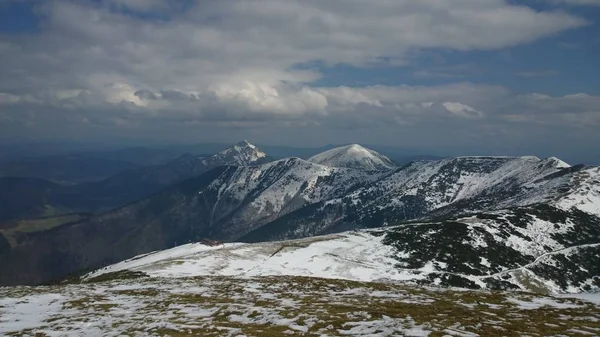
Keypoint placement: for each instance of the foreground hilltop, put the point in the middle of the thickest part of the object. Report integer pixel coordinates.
(531, 249)
(131, 304)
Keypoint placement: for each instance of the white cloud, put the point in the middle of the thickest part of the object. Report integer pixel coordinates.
(333, 106)
(462, 110)
(8, 98)
(215, 42)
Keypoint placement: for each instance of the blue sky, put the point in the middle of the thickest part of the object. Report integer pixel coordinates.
(17, 18)
(443, 77)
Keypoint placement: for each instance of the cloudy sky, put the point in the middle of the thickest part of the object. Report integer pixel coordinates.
(453, 77)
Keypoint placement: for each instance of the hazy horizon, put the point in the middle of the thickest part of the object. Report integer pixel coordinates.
(32, 149)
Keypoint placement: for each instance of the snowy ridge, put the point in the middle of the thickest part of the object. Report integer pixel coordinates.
(441, 183)
(255, 195)
(353, 256)
(353, 156)
(544, 204)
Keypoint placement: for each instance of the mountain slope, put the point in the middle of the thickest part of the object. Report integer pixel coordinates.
(423, 190)
(353, 156)
(538, 248)
(132, 185)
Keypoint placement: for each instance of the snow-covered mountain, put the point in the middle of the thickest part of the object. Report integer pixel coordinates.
(242, 199)
(187, 166)
(293, 198)
(353, 156)
(423, 190)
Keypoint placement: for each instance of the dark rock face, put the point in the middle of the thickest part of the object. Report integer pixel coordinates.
(293, 198)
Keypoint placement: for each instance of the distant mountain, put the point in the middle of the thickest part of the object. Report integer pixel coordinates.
(293, 198)
(353, 156)
(241, 154)
(131, 185)
(126, 186)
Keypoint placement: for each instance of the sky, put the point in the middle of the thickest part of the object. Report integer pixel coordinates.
(444, 77)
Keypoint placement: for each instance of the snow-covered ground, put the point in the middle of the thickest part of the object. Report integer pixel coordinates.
(282, 306)
(352, 256)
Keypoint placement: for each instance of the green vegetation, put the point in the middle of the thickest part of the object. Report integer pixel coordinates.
(12, 230)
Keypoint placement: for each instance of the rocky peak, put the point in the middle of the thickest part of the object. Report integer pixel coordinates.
(242, 154)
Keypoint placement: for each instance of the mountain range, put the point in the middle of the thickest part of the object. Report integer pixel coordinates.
(438, 216)
(35, 197)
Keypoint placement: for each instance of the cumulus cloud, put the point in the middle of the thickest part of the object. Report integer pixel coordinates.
(108, 67)
(462, 110)
(86, 46)
(341, 106)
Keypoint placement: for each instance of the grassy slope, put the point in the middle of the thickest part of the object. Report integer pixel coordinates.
(13, 229)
